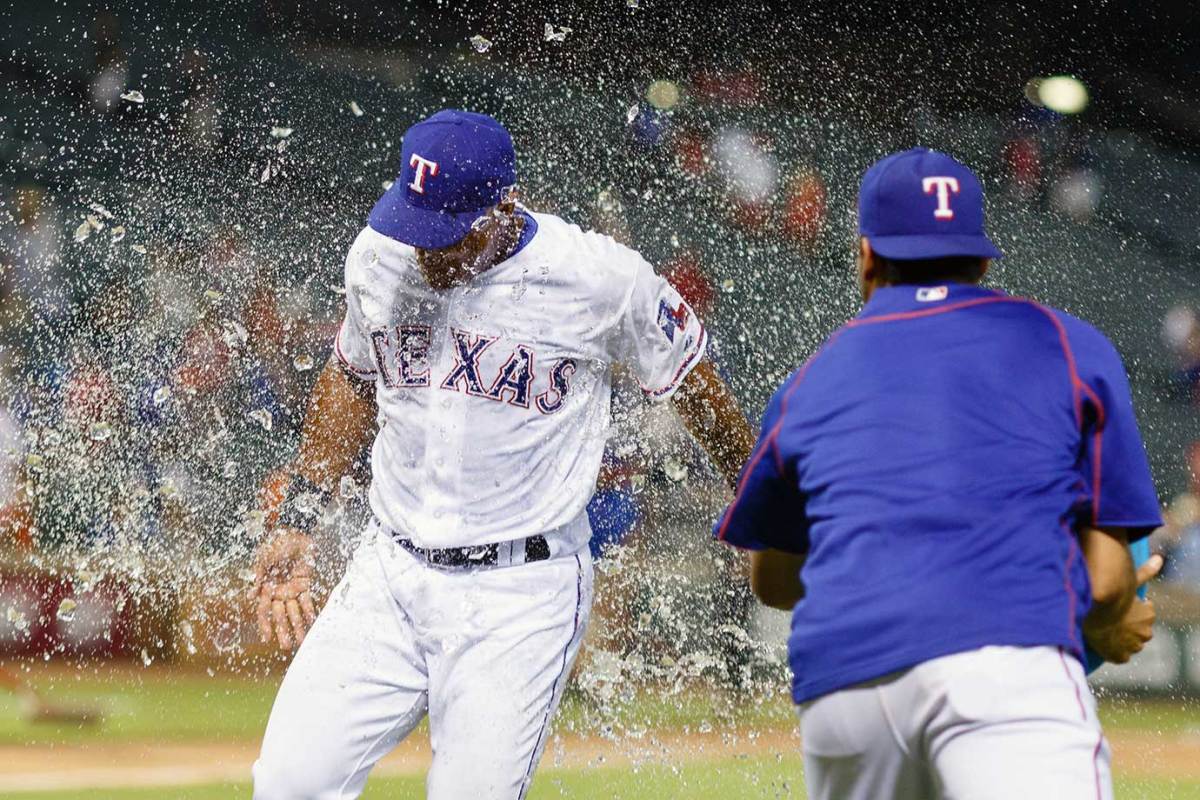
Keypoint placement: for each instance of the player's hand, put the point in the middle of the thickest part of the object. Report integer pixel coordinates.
(282, 590)
(1120, 641)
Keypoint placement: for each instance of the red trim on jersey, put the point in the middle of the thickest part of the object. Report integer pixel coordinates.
(927, 312)
(769, 440)
(701, 341)
(1079, 387)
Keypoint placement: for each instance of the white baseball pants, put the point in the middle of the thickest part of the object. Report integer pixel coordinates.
(992, 724)
(484, 652)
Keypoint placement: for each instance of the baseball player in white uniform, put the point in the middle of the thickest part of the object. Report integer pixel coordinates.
(477, 351)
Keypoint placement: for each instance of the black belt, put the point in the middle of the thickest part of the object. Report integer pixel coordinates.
(484, 555)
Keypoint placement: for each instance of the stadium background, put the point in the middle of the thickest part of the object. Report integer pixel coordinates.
(154, 359)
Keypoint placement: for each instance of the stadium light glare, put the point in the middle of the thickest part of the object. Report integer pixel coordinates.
(1063, 93)
(663, 95)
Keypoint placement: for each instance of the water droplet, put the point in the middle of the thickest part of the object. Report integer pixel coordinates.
(303, 362)
(675, 470)
(308, 503)
(85, 580)
(168, 488)
(118, 233)
(355, 109)
(727, 285)
(134, 96)
(553, 34)
(279, 132)
(608, 202)
(226, 638)
(138, 248)
(347, 488)
(139, 498)
(263, 417)
(631, 114)
(213, 295)
(481, 43)
(146, 659)
(255, 521)
(17, 619)
(633, 3)
(161, 395)
(230, 469)
(519, 288)
(101, 210)
(83, 232)
(100, 431)
(66, 609)
(94, 222)
(233, 333)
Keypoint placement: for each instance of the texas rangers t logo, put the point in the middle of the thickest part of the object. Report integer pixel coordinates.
(944, 185)
(425, 167)
(671, 318)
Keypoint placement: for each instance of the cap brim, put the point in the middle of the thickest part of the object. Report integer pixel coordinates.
(427, 229)
(909, 248)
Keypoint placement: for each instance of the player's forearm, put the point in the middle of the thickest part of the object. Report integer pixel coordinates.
(713, 417)
(339, 422)
(775, 578)
(1111, 573)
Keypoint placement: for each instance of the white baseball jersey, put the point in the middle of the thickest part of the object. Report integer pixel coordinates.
(494, 396)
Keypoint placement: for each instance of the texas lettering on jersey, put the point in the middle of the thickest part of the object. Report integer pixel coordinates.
(402, 358)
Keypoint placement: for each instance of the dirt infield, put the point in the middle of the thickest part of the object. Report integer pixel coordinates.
(1136, 754)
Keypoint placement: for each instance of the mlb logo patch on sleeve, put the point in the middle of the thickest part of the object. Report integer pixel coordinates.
(932, 294)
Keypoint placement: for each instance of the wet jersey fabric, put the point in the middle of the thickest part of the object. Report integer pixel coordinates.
(494, 396)
(933, 460)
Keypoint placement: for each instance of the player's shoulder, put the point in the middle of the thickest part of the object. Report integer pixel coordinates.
(372, 251)
(1087, 342)
(596, 252)
(1087, 347)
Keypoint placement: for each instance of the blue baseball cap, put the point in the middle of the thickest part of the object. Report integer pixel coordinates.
(454, 166)
(923, 204)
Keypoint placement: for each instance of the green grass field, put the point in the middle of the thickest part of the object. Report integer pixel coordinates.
(164, 705)
(746, 779)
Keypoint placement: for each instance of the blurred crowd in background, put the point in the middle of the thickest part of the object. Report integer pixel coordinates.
(171, 239)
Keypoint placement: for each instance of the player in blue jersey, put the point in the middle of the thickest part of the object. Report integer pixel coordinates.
(945, 494)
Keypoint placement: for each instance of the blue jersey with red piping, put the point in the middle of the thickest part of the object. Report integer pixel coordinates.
(933, 460)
